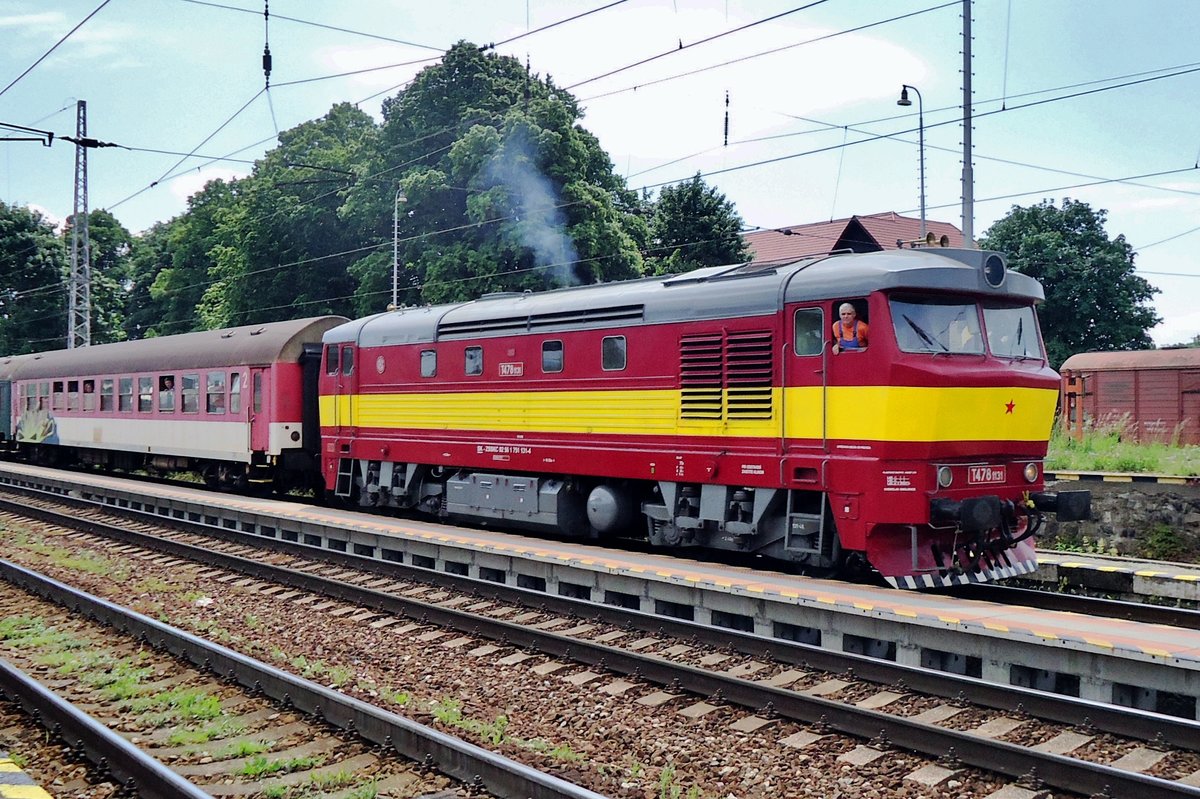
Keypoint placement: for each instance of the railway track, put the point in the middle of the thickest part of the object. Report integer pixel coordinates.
(235, 727)
(898, 709)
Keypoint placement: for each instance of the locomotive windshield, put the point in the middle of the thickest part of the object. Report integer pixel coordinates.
(937, 324)
(952, 325)
(1012, 330)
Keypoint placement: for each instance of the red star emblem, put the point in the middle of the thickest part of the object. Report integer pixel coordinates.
(1008, 406)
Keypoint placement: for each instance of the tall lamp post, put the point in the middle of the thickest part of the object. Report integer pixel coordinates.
(904, 101)
(400, 198)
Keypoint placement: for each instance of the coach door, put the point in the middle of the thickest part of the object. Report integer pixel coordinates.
(260, 417)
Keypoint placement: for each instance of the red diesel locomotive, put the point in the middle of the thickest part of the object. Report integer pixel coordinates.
(708, 409)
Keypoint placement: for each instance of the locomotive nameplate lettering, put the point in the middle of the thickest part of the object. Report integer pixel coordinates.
(985, 475)
(512, 369)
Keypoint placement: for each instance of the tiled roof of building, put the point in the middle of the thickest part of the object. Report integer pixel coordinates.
(868, 233)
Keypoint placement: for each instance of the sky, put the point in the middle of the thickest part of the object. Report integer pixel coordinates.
(1072, 98)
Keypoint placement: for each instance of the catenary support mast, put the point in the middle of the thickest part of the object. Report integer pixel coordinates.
(79, 323)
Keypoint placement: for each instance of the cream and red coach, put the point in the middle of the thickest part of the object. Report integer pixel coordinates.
(230, 403)
(707, 409)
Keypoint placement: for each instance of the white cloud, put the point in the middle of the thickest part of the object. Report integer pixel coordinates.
(32, 21)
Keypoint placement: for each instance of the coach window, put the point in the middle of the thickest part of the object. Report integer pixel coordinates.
(331, 359)
(612, 353)
(72, 395)
(191, 393)
(552, 356)
(31, 396)
(106, 395)
(145, 393)
(473, 361)
(58, 400)
(258, 392)
(215, 400)
(347, 360)
(235, 392)
(428, 363)
(810, 331)
(166, 393)
(43, 396)
(125, 397)
(89, 395)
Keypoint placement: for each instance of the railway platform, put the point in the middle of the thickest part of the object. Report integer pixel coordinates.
(15, 783)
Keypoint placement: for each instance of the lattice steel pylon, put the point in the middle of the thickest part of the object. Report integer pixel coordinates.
(79, 316)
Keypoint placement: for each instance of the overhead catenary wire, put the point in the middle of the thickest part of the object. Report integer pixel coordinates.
(705, 40)
(46, 54)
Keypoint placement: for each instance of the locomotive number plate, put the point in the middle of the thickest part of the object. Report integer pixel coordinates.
(984, 475)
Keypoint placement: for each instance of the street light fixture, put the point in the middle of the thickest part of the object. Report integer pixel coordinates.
(400, 198)
(904, 101)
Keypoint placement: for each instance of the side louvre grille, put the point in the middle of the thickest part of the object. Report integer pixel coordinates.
(726, 375)
(556, 320)
(701, 376)
(748, 375)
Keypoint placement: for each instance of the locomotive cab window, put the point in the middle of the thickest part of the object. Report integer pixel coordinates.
(937, 325)
(810, 331)
(166, 394)
(191, 393)
(106, 395)
(1011, 331)
(215, 394)
(347, 360)
(331, 359)
(428, 363)
(612, 353)
(145, 394)
(473, 361)
(552, 356)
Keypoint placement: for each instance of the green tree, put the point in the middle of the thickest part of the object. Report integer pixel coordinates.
(33, 307)
(504, 189)
(281, 251)
(181, 281)
(1094, 300)
(693, 225)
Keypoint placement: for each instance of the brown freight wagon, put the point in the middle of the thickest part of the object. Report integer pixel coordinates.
(1153, 394)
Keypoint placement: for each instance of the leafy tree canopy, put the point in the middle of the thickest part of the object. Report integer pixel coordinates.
(693, 225)
(503, 190)
(33, 261)
(1094, 299)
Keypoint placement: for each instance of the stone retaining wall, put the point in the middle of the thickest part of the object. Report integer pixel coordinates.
(1135, 519)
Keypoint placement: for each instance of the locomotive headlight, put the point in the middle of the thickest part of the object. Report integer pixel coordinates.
(945, 477)
(1031, 472)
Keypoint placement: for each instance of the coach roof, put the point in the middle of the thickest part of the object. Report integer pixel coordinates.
(233, 346)
(707, 293)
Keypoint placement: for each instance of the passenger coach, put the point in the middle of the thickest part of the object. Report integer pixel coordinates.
(227, 403)
(708, 410)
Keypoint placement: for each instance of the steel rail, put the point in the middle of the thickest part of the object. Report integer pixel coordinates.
(939, 742)
(456, 758)
(1125, 722)
(136, 771)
